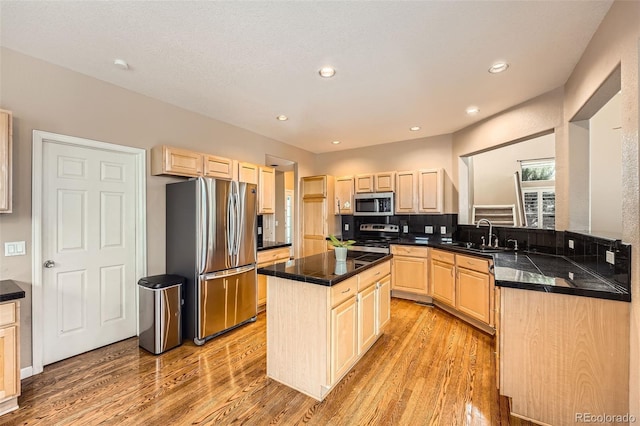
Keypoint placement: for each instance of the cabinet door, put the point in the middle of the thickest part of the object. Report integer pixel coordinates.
(175, 161)
(406, 192)
(364, 183)
(247, 172)
(262, 285)
(442, 281)
(473, 294)
(313, 217)
(410, 274)
(9, 372)
(218, 167)
(431, 191)
(385, 181)
(344, 338)
(344, 193)
(267, 191)
(314, 186)
(383, 290)
(367, 324)
(313, 245)
(5, 161)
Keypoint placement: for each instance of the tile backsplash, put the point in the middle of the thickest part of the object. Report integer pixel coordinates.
(415, 224)
(588, 250)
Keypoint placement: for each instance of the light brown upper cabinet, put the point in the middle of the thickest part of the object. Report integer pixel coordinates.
(385, 181)
(266, 190)
(344, 193)
(168, 160)
(248, 172)
(218, 167)
(431, 188)
(314, 186)
(364, 183)
(406, 192)
(6, 133)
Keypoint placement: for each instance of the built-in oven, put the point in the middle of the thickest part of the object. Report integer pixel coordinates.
(374, 204)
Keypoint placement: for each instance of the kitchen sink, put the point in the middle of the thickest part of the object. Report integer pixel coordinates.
(473, 247)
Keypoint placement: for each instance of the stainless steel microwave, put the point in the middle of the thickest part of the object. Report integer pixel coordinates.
(374, 204)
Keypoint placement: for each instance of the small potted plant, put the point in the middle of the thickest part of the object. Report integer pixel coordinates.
(340, 247)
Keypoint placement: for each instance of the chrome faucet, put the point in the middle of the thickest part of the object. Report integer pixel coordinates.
(490, 227)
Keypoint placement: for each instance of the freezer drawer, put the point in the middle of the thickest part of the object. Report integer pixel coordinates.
(225, 300)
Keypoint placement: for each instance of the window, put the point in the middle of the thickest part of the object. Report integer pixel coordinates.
(539, 193)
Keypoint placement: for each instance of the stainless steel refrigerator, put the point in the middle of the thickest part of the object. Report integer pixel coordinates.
(211, 241)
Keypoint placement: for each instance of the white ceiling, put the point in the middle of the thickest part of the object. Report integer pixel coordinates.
(399, 63)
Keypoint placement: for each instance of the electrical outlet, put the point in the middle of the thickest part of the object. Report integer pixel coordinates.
(571, 244)
(428, 229)
(405, 229)
(346, 226)
(443, 230)
(16, 248)
(611, 257)
(259, 230)
(570, 275)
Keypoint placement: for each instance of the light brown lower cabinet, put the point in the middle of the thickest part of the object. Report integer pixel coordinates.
(316, 334)
(474, 288)
(9, 356)
(409, 270)
(267, 258)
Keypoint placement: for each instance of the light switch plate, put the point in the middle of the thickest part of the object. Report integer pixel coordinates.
(428, 229)
(571, 244)
(611, 257)
(15, 248)
(443, 230)
(405, 228)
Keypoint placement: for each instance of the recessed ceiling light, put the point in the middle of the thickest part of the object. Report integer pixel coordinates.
(282, 118)
(121, 63)
(473, 110)
(327, 72)
(498, 67)
(414, 128)
(335, 142)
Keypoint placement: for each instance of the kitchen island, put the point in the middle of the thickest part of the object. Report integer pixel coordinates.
(323, 316)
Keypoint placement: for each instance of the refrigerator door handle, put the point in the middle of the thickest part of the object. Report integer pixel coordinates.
(239, 222)
(204, 223)
(228, 272)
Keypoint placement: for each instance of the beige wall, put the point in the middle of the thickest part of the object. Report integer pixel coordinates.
(46, 97)
(423, 153)
(493, 170)
(605, 158)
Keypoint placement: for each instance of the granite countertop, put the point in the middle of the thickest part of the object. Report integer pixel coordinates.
(267, 245)
(323, 269)
(9, 290)
(553, 274)
(535, 271)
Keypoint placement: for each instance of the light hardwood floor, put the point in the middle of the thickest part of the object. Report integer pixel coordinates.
(429, 368)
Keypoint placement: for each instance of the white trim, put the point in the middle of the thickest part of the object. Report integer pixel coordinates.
(26, 372)
(39, 137)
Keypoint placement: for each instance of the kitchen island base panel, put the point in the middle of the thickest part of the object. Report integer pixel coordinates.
(9, 405)
(400, 294)
(296, 348)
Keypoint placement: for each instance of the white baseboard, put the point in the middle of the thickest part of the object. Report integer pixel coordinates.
(26, 372)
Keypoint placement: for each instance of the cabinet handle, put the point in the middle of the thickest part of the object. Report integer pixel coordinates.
(377, 273)
(347, 290)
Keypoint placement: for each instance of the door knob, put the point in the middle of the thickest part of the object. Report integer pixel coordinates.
(49, 264)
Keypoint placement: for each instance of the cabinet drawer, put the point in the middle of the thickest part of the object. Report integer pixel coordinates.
(443, 256)
(344, 290)
(373, 275)
(473, 263)
(414, 251)
(273, 255)
(7, 313)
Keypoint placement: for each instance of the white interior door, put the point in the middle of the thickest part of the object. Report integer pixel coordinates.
(88, 249)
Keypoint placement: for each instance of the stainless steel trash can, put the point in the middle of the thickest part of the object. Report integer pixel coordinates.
(160, 312)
